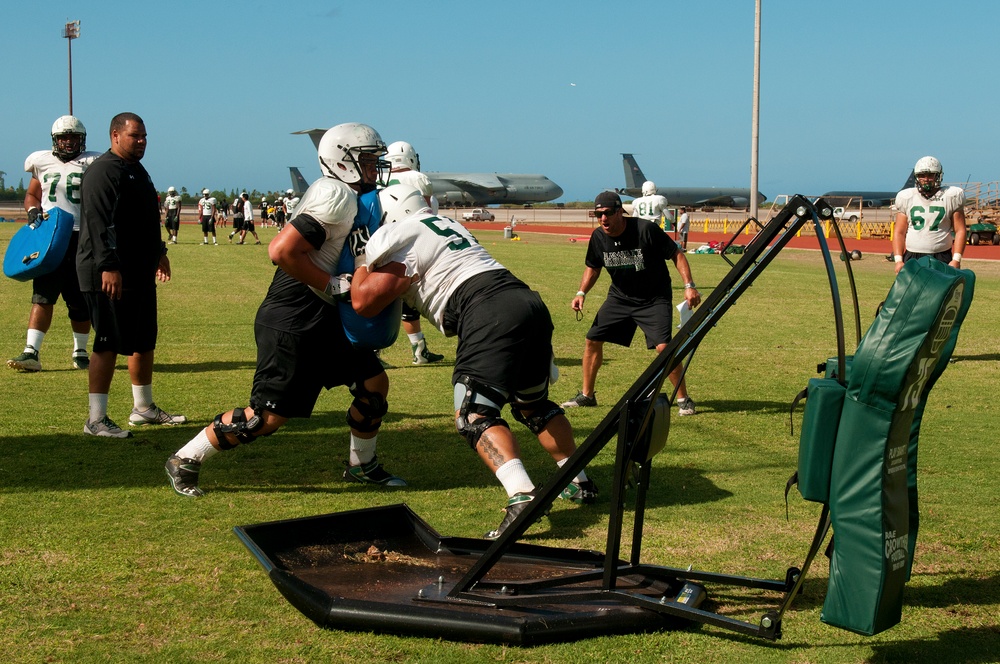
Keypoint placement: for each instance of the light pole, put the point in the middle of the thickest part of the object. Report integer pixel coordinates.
(71, 32)
(755, 136)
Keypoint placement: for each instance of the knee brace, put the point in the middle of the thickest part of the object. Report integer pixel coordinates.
(542, 413)
(479, 400)
(371, 406)
(245, 430)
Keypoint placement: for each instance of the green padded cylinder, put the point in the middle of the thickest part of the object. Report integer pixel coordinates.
(869, 494)
(820, 421)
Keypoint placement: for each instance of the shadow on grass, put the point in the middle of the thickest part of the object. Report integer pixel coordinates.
(202, 367)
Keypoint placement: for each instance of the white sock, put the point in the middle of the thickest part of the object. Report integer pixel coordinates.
(80, 343)
(415, 337)
(142, 396)
(198, 448)
(98, 406)
(362, 449)
(35, 338)
(582, 477)
(514, 478)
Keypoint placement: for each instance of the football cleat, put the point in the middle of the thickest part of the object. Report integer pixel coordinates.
(372, 473)
(26, 362)
(423, 356)
(584, 492)
(183, 474)
(515, 505)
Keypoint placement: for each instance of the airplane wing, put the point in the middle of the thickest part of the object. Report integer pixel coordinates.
(484, 182)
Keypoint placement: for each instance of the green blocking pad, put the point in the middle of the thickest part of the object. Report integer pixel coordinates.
(896, 363)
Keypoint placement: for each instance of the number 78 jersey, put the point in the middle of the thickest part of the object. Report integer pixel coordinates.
(438, 250)
(60, 180)
(929, 219)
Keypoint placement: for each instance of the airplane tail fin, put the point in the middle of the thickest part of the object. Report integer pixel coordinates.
(910, 181)
(633, 174)
(299, 184)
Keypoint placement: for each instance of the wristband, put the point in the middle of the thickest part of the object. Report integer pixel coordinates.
(956, 257)
(897, 258)
(581, 294)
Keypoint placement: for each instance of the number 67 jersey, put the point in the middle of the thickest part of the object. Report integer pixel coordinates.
(929, 219)
(60, 180)
(439, 251)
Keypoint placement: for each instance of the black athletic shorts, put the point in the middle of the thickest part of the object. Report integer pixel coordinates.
(125, 326)
(943, 256)
(238, 223)
(292, 368)
(173, 221)
(208, 224)
(47, 288)
(617, 319)
(505, 341)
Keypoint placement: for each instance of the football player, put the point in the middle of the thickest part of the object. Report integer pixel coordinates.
(651, 206)
(55, 182)
(301, 344)
(172, 205)
(406, 170)
(206, 212)
(505, 346)
(930, 218)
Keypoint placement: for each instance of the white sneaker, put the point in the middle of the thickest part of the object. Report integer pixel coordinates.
(105, 428)
(685, 407)
(154, 415)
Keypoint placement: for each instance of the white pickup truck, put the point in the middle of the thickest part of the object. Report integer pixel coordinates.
(478, 214)
(842, 214)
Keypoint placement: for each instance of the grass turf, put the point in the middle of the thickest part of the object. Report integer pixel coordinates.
(101, 561)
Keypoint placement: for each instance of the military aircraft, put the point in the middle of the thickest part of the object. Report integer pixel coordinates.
(475, 189)
(868, 198)
(685, 196)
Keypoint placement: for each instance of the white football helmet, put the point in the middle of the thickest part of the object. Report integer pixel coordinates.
(68, 125)
(289, 192)
(648, 188)
(931, 166)
(205, 192)
(171, 190)
(402, 155)
(341, 148)
(399, 201)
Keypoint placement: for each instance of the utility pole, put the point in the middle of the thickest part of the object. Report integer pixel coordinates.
(71, 32)
(755, 137)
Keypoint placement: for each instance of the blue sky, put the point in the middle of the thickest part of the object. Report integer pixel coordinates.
(852, 93)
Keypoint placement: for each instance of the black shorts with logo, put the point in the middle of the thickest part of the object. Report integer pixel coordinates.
(618, 318)
(125, 326)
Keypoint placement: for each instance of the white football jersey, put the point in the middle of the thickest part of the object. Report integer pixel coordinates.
(60, 180)
(172, 202)
(415, 179)
(207, 206)
(290, 203)
(438, 250)
(333, 205)
(930, 220)
(650, 208)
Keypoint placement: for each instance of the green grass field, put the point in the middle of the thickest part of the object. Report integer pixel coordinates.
(101, 561)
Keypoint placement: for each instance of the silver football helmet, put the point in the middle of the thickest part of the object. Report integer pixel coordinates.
(648, 188)
(341, 148)
(64, 126)
(402, 155)
(399, 201)
(928, 166)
